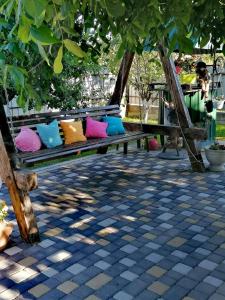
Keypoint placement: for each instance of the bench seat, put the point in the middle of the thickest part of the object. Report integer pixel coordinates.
(97, 113)
(66, 150)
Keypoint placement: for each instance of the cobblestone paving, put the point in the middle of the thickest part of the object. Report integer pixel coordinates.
(122, 227)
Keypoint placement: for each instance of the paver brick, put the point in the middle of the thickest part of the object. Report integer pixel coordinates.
(98, 281)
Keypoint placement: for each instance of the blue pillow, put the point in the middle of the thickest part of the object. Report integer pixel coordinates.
(49, 134)
(115, 125)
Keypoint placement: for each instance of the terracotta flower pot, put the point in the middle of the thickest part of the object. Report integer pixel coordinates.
(5, 232)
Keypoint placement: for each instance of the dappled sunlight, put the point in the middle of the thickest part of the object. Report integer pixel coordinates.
(88, 241)
(107, 231)
(176, 182)
(60, 255)
(82, 223)
(129, 218)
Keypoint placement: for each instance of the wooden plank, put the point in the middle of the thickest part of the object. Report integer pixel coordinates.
(5, 130)
(77, 145)
(192, 133)
(26, 180)
(65, 112)
(31, 123)
(89, 146)
(122, 78)
(183, 115)
(20, 199)
(83, 145)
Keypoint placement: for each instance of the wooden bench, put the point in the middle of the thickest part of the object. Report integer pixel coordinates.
(97, 113)
(21, 182)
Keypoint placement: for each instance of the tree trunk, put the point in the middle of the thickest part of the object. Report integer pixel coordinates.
(184, 117)
(122, 78)
(146, 105)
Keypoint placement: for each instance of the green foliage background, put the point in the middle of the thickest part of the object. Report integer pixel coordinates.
(39, 37)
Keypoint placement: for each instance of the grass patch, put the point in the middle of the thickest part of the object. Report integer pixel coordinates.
(63, 159)
(220, 131)
(136, 120)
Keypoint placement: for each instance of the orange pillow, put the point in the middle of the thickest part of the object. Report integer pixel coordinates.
(73, 131)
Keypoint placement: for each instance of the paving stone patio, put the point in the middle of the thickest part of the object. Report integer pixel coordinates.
(121, 227)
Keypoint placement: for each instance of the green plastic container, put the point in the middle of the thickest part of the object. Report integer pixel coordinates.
(200, 117)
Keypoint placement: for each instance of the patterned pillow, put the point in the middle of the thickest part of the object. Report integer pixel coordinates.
(27, 140)
(49, 134)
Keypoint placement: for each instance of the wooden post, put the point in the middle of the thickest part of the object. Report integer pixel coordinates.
(122, 78)
(4, 127)
(184, 118)
(20, 197)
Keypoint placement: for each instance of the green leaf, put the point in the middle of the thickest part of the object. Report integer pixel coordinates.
(2, 59)
(59, 2)
(38, 105)
(120, 52)
(21, 101)
(186, 45)
(3, 5)
(115, 8)
(58, 66)
(74, 48)
(35, 8)
(69, 30)
(204, 40)
(3, 23)
(17, 76)
(43, 53)
(9, 8)
(43, 35)
(24, 33)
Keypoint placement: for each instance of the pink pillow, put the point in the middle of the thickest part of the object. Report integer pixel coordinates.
(95, 129)
(27, 140)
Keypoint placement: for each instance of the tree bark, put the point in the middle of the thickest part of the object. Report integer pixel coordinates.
(184, 118)
(122, 78)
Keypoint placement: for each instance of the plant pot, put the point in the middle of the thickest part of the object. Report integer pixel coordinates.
(216, 159)
(5, 232)
(218, 104)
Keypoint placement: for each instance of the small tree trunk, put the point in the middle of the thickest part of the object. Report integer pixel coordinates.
(145, 104)
(146, 116)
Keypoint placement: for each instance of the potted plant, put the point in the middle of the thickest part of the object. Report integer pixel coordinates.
(215, 154)
(5, 227)
(219, 102)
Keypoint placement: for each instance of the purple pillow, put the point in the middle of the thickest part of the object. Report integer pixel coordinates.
(95, 129)
(27, 140)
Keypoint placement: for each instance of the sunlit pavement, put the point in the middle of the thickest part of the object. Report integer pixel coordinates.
(121, 227)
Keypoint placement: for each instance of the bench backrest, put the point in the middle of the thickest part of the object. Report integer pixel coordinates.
(78, 114)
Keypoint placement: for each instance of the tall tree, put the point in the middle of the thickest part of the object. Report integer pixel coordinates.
(86, 27)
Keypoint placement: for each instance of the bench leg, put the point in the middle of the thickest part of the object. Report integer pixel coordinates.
(138, 144)
(147, 144)
(117, 147)
(102, 150)
(125, 148)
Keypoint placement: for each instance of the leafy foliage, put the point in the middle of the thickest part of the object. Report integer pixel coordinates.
(3, 211)
(146, 69)
(85, 29)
